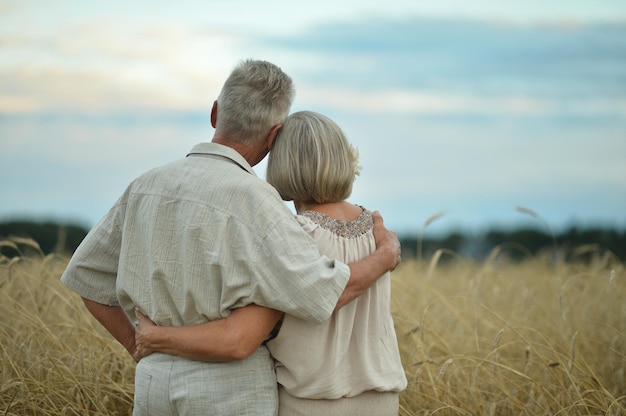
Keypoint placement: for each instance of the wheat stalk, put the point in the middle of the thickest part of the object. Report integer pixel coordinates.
(420, 237)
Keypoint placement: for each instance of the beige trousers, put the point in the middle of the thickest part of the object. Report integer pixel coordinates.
(166, 386)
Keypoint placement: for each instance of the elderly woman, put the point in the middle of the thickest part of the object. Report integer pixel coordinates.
(349, 365)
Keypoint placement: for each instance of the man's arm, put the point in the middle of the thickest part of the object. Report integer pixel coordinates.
(232, 338)
(116, 321)
(237, 336)
(365, 272)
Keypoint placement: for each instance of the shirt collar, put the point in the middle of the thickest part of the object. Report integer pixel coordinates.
(223, 151)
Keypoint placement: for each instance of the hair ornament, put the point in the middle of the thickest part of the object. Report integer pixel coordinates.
(354, 159)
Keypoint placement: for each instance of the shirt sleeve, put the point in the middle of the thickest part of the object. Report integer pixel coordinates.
(294, 277)
(92, 270)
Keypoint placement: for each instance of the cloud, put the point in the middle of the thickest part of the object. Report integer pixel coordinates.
(409, 66)
(431, 103)
(421, 102)
(108, 65)
(468, 117)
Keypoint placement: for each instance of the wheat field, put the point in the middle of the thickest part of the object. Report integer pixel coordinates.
(538, 337)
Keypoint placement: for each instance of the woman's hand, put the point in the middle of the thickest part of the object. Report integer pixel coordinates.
(143, 332)
(229, 339)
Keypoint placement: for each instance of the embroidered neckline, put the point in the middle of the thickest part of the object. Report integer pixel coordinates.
(347, 229)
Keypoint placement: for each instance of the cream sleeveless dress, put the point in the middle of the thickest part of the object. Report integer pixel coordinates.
(349, 365)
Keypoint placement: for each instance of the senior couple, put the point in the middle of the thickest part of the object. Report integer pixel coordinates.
(230, 304)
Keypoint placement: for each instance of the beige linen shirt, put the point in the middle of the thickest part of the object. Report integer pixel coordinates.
(190, 240)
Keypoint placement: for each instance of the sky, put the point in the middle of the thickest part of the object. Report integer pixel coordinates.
(467, 115)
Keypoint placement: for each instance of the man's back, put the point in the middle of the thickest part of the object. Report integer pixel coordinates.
(190, 230)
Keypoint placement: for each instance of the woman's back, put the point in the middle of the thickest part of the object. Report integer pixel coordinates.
(356, 350)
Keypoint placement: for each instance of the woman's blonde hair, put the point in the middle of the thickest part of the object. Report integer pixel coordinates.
(311, 160)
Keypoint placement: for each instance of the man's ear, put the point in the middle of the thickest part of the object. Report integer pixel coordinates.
(272, 135)
(214, 114)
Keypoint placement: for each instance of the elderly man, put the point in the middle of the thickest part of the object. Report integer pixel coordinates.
(189, 241)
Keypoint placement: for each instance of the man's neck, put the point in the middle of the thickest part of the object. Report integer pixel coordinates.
(252, 154)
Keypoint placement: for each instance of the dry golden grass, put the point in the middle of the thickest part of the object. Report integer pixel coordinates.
(499, 338)
(55, 359)
(495, 338)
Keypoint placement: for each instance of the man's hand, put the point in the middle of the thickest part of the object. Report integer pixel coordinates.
(387, 241)
(364, 272)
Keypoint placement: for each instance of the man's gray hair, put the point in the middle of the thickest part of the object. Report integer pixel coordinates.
(255, 97)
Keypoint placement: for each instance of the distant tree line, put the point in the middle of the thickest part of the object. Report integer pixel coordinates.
(572, 244)
(51, 237)
(517, 244)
